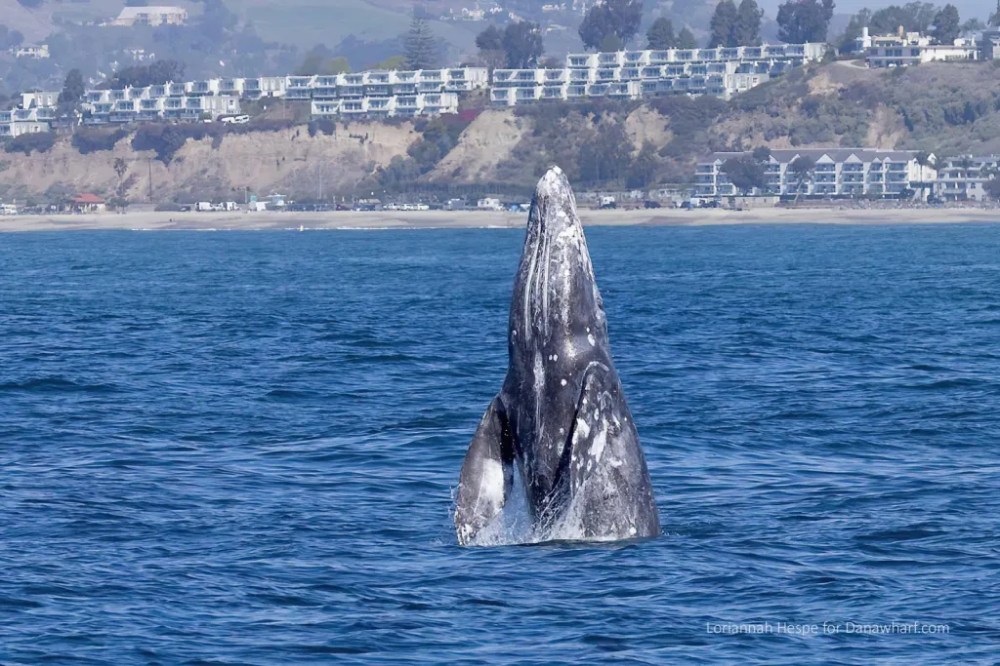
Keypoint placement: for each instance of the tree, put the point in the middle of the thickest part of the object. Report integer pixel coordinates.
(660, 35)
(319, 60)
(420, 45)
(10, 38)
(161, 71)
(620, 18)
(973, 25)
(992, 188)
(913, 17)
(686, 40)
(848, 42)
(607, 156)
(522, 44)
(746, 29)
(73, 89)
(802, 21)
(490, 45)
(120, 167)
(642, 172)
(745, 173)
(762, 154)
(995, 17)
(722, 24)
(802, 168)
(947, 25)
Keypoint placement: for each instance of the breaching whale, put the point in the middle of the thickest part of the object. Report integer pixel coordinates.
(560, 421)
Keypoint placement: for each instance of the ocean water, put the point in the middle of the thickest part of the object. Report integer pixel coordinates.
(240, 448)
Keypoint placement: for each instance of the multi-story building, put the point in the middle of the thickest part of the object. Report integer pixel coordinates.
(420, 104)
(16, 122)
(721, 72)
(834, 173)
(152, 16)
(964, 178)
(39, 99)
(166, 102)
(989, 44)
(34, 51)
(912, 48)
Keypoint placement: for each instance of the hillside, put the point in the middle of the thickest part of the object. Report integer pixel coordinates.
(947, 109)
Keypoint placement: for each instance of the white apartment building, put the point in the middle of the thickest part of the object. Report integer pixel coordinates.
(155, 103)
(152, 16)
(39, 99)
(963, 178)
(421, 104)
(34, 52)
(721, 72)
(16, 122)
(912, 48)
(373, 93)
(838, 172)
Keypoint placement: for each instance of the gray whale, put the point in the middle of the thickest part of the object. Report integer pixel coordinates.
(560, 420)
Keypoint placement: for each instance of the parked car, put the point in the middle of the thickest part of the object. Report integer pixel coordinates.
(648, 203)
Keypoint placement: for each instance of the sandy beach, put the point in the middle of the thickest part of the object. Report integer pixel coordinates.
(472, 219)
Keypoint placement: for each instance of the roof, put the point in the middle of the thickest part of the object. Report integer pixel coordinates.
(131, 13)
(787, 155)
(87, 198)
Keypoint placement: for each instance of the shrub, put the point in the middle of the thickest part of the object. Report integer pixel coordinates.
(88, 140)
(40, 142)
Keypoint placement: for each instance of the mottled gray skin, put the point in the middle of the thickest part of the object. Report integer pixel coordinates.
(561, 418)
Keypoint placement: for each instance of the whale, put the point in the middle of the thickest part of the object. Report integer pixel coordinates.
(559, 437)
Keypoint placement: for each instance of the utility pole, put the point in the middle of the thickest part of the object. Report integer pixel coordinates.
(149, 163)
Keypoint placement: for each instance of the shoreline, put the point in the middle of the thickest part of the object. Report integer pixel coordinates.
(345, 220)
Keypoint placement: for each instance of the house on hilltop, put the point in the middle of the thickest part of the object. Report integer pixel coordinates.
(152, 16)
(911, 48)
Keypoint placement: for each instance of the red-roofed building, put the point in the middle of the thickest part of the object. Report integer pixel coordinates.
(88, 203)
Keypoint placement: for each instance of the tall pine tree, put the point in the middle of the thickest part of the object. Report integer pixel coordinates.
(722, 24)
(746, 30)
(420, 45)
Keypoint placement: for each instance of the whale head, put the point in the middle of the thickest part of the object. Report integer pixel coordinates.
(555, 294)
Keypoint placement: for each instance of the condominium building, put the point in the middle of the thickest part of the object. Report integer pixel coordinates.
(152, 16)
(374, 94)
(32, 52)
(422, 104)
(912, 48)
(15, 122)
(835, 172)
(964, 178)
(721, 72)
(171, 101)
(38, 99)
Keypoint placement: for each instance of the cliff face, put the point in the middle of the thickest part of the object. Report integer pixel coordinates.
(287, 161)
(946, 108)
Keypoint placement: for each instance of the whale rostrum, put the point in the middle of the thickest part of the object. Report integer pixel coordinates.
(560, 421)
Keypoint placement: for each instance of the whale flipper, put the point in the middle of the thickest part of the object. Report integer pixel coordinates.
(487, 474)
(603, 464)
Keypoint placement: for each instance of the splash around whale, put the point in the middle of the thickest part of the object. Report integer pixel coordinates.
(556, 456)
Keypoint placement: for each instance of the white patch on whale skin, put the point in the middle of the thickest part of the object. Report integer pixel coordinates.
(600, 441)
(563, 382)
(491, 482)
(591, 340)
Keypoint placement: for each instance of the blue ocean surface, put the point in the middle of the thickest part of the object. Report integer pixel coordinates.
(241, 448)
